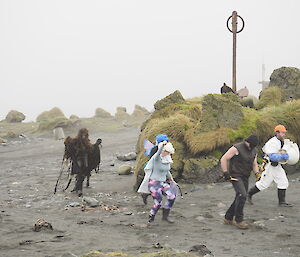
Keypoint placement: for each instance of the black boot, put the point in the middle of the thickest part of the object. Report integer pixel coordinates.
(251, 192)
(144, 197)
(87, 181)
(151, 218)
(281, 198)
(165, 216)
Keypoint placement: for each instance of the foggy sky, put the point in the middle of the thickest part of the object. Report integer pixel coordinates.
(80, 55)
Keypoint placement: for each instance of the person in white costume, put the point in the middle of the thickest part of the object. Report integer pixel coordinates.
(273, 169)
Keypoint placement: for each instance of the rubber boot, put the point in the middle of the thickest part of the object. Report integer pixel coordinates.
(151, 218)
(165, 216)
(281, 198)
(87, 181)
(251, 192)
(144, 197)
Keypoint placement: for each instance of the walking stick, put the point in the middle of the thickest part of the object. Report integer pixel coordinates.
(60, 173)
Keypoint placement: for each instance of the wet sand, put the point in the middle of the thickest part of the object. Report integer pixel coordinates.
(28, 172)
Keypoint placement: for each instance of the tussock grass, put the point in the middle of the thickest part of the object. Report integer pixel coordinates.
(198, 143)
(247, 126)
(271, 96)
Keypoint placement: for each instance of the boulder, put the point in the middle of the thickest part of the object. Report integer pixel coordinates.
(121, 113)
(2, 140)
(140, 112)
(203, 169)
(127, 157)
(54, 113)
(288, 80)
(14, 116)
(101, 113)
(74, 117)
(174, 98)
(124, 169)
(221, 111)
(91, 202)
(49, 120)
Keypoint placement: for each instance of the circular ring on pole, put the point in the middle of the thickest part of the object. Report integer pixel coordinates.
(241, 20)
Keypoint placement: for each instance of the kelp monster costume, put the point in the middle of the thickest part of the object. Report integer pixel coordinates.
(85, 157)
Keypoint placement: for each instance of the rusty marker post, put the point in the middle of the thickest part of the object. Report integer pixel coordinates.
(234, 30)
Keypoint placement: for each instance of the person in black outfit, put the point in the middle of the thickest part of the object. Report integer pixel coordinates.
(84, 156)
(237, 164)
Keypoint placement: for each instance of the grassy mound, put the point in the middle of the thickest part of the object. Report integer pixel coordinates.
(202, 129)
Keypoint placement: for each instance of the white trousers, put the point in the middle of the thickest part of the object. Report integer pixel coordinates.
(270, 174)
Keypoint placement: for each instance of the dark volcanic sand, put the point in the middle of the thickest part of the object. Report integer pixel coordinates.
(29, 171)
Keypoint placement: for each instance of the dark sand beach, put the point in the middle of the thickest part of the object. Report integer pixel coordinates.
(28, 172)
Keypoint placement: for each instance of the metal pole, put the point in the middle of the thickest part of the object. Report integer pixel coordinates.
(234, 29)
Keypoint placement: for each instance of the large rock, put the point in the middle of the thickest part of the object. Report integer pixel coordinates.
(140, 112)
(288, 79)
(101, 113)
(90, 201)
(121, 113)
(127, 157)
(203, 169)
(2, 140)
(221, 111)
(54, 113)
(174, 98)
(49, 120)
(15, 116)
(124, 169)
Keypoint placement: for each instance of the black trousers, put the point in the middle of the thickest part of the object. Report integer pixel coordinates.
(237, 207)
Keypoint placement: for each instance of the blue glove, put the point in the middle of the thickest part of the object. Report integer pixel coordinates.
(285, 156)
(277, 157)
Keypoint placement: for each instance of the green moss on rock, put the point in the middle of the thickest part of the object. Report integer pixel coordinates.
(288, 80)
(220, 111)
(174, 98)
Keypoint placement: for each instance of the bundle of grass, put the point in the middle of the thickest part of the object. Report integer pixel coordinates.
(14, 116)
(287, 114)
(204, 142)
(270, 96)
(101, 113)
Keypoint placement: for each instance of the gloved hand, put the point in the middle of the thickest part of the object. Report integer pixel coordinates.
(227, 175)
(285, 156)
(258, 176)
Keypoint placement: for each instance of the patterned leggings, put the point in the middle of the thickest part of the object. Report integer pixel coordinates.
(157, 190)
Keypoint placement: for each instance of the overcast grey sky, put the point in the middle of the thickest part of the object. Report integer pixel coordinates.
(80, 55)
